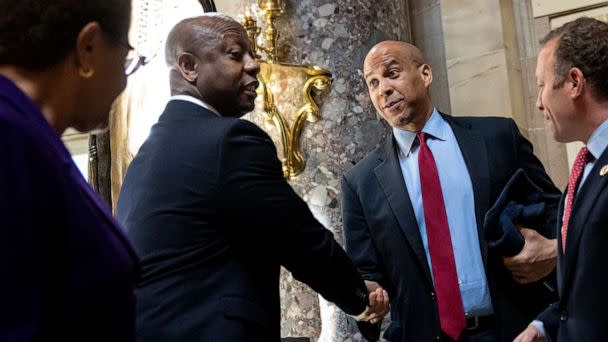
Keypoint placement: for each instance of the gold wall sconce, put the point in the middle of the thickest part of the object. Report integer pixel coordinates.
(286, 89)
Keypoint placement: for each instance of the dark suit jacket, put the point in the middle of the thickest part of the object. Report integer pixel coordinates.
(212, 218)
(383, 238)
(67, 272)
(580, 314)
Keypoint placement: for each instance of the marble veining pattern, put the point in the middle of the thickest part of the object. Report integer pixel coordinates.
(335, 35)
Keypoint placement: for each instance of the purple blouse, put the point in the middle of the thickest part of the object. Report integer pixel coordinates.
(67, 272)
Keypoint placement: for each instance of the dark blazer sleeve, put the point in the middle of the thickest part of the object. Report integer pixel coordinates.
(535, 170)
(541, 293)
(264, 215)
(357, 239)
(550, 318)
(360, 248)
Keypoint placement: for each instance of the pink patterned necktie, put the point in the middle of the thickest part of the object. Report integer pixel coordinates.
(449, 301)
(582, 158)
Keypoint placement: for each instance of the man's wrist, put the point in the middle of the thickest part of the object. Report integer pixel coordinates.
(550, 249)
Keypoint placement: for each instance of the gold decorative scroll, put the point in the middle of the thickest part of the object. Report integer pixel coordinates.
(295, 84)
(286, 89)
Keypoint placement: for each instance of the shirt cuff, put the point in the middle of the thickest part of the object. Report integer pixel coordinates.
(540, 327)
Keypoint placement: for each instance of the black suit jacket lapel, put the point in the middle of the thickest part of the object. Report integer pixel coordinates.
(584, 201)
(473, 149)
(391, 180)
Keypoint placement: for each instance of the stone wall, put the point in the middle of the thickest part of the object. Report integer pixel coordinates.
(335, 35)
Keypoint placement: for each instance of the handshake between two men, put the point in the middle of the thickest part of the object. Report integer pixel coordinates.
(378, 305)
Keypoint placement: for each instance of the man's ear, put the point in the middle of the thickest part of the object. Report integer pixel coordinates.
(575, 82)
(427, 74)
(187, 66)
(88, 45)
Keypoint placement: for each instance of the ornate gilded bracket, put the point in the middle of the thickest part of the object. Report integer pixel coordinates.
(317, 79)
(290, 113)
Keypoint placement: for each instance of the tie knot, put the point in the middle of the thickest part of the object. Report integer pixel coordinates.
(422, 137)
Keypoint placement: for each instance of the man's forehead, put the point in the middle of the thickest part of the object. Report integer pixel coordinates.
(545, 57)
(379, 59)
(234, 29)
(230, 40)
(236, 38)
(540, 63)
(547, 51)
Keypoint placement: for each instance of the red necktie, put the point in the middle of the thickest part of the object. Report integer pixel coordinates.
(582, 158)
(449, 301)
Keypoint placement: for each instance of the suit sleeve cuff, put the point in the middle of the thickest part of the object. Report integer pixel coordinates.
(540, 326)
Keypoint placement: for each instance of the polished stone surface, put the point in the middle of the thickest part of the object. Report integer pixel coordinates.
(335, 35)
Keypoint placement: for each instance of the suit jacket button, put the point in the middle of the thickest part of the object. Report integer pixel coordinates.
(564, 316)
(432, 295)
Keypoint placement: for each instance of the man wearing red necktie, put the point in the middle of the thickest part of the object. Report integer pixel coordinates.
(572, 75)
(413, 212)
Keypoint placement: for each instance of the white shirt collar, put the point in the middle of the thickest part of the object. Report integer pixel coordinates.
(196, 101)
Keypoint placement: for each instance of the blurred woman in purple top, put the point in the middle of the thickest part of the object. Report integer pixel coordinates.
(67, 272)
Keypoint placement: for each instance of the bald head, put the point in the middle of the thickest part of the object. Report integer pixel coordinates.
(210, 59)
(402, 50)
(194, 35)
(398, 82)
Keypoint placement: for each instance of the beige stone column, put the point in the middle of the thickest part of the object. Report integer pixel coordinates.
(546, 15)
(483, 53)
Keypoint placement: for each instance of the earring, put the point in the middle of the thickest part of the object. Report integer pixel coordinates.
(86, 73)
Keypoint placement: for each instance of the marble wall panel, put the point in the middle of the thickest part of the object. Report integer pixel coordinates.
(335, 35)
